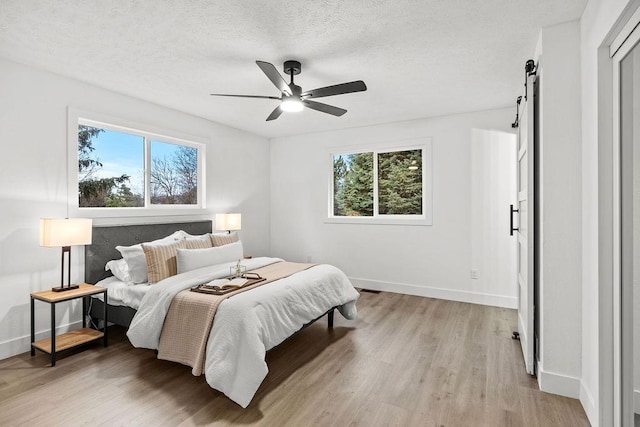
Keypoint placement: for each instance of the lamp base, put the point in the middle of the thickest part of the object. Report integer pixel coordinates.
(65, 288)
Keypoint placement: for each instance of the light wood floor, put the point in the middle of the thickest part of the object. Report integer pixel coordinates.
(406, 361)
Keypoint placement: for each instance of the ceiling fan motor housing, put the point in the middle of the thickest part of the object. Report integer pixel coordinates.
(292, 66)
(295, 90)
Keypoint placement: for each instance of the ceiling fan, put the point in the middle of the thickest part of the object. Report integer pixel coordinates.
(293, 99)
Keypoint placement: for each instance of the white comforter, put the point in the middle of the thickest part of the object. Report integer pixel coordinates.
(121, 293)
(250, 323)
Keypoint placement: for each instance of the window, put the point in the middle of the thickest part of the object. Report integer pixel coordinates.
(382, 186)
(123, 167)
(110, 168)
(174, 174)
(353, 184)
(400, 183)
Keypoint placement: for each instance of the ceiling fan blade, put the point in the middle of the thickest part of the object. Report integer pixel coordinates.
(357, 86)
(275, 114)
(244, 96)
(325, 108)
(275, 77)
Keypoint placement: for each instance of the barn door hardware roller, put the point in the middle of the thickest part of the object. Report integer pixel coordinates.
(516, 123)
(530, 69)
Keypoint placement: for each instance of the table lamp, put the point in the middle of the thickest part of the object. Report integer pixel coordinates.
(65, 233)
(228, 221)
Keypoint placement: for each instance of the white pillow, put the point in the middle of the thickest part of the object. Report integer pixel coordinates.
(192, 259)
(136, 261)
(192, 236)
(120, 269)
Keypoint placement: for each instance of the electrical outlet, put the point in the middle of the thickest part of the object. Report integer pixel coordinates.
(475, 273)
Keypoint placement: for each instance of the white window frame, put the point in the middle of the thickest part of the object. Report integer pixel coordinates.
(425, 219)
(149, 133)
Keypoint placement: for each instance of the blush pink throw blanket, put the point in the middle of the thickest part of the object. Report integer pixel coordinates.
(191, 315)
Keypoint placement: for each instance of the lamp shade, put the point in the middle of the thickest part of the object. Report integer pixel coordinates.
(228, 221)
(65, 232)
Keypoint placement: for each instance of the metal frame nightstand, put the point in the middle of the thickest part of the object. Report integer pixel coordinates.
(73, 338)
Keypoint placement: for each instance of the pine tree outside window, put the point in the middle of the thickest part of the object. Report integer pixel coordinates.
(400, 183)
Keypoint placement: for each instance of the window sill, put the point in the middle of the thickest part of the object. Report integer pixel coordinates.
(378, 221)
(135, 212)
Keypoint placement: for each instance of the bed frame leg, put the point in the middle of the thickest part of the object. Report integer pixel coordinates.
(330, 318)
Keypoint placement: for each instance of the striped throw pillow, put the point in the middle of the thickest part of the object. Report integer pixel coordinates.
(224, 239)
(198, 242)
(161, 260)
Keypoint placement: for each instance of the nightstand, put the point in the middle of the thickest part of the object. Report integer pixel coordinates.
(73, 338)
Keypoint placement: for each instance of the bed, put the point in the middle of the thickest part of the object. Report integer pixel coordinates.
(246, 324)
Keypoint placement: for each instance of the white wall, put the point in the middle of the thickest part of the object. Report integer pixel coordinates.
(33, 183)
(422, 260)
(560, 218)
(597, 20)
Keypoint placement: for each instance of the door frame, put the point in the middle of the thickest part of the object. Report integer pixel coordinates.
(614, 359)
(622, 304)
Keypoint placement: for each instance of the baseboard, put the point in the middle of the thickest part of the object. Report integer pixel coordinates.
(23, 344)
(427, 291)
(564, 385)
(636, 401)
(588, 404)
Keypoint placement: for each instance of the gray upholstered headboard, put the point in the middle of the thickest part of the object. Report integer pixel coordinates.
(106, 238)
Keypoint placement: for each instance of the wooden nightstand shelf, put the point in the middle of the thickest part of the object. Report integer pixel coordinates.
(73, 338)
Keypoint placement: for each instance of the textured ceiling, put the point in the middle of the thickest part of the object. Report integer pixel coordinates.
(419, 58)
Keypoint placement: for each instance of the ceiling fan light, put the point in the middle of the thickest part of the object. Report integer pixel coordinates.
(291, 105)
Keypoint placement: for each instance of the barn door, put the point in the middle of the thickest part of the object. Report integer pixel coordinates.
(525, 229)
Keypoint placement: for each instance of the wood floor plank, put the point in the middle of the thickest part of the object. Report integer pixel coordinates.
(406, 361)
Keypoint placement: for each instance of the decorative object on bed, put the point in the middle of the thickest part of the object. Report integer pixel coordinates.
(238, 270)
(228, 284)
(228, 221)
(65, 233)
